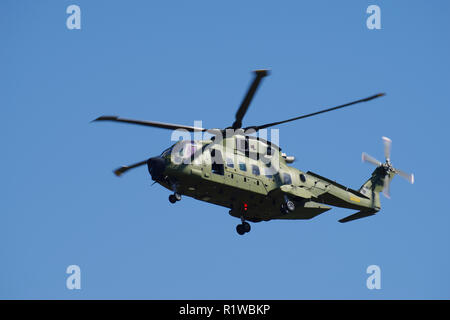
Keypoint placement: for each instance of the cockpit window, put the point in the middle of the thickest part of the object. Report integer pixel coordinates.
(166, 152)
(189, 150)
(182, 152)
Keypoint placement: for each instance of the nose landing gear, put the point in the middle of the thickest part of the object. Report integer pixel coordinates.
(175, 196)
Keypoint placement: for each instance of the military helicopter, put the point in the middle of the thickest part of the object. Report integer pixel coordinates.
(251, 176)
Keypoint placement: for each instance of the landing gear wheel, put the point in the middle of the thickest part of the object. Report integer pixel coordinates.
(172, 198)
(284, 209)
(290, 206)
(240, 229)
(243, 228)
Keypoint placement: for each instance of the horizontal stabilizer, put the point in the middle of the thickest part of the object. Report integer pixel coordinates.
(358, 215)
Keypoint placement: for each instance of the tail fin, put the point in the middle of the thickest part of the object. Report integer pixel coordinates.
(371, 189)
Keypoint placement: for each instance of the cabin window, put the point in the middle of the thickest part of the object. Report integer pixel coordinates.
(255, 170)
(268, 172)
(230, 163)
(217, 162)
(242, 166)
(287, 178)
(302, 177)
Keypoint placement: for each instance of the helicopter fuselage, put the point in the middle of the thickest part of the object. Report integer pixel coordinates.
(251, 177)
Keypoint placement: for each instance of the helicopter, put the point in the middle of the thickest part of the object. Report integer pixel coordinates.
(251, 176)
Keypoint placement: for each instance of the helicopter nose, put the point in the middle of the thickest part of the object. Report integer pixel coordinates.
(156, 167)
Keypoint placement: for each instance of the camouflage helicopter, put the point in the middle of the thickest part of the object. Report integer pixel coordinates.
(251, 176)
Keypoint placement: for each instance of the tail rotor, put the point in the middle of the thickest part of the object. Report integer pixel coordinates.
(386, 168)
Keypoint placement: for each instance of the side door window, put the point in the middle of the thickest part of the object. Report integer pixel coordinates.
(230, 163)
(229, 171)
(217, 162)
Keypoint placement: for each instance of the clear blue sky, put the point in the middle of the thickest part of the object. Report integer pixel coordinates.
(180, 61)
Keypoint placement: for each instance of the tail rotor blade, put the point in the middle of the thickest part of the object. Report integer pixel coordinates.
(387, 147)
(367, 158)
(386, 168)
(387, 186)
(408, 176)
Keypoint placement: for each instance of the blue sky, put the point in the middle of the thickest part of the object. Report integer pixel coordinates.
(180, 61)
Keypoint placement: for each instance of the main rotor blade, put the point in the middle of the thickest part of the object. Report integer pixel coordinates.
(119, 171)
(150, 123)
(315, 113)
(387, 147)
(367, 158)
(259, 74)
(407, 176)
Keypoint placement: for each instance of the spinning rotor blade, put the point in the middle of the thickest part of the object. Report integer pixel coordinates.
(387, 147)
(387, 167)
(407, 176)
(118, 172)
(150, 123)
(387, 187)
(259, 74)
(315, 113)
(366, 158)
